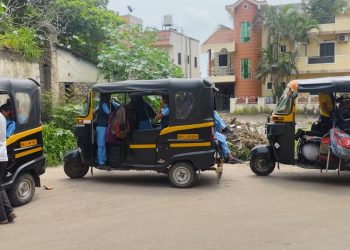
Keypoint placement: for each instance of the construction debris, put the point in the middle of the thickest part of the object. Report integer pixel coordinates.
(244, 136)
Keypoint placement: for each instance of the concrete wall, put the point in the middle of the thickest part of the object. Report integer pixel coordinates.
(75, 69)
(13, 66)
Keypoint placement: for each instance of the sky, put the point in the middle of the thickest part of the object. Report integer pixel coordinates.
(196, 18)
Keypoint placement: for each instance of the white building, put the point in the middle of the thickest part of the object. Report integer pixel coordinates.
(183, 50)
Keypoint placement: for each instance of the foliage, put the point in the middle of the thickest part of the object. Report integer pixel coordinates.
(324, 11)
(20, 39)
(64, 116)
(130, 54)
(79, 22)
(287, 28)
(57, 141)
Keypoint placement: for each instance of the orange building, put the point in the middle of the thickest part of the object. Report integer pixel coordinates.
(243, 52)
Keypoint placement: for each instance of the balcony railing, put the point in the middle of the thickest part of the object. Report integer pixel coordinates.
(221, 72)
(320, 59)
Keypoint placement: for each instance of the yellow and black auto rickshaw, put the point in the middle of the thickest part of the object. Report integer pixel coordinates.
(26, 160)
(179, 150)
(314, 148)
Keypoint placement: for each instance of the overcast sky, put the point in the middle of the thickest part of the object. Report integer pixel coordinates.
(198, 18)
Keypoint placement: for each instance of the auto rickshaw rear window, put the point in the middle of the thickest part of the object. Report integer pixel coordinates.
(184, 105)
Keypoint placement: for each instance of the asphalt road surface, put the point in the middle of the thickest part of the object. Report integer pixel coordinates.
(291, 209)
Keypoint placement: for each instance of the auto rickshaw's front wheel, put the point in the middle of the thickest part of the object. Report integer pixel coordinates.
(261, 165)
(182, 175)
(23, 190)
(75, 168)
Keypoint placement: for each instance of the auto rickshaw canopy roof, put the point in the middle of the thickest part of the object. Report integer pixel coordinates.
(322, 85)
(160, 85)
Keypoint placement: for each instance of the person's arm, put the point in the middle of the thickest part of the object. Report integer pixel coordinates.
(105, 109)
(10, 128)
(164, 112)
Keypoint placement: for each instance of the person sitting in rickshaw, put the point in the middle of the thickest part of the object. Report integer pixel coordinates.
(6, 110)
(142, 111)
(163, 115)
(325, 122)
(219, 127)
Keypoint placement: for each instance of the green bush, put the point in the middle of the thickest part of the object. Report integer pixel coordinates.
(63, 116)
(57, 141)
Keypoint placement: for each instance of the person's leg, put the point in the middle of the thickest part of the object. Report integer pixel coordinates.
(3, 207)
(101, 145)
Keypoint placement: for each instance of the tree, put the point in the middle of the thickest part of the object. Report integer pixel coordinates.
(324, 11)
(79, 22)
(130, 54)
(286, 29)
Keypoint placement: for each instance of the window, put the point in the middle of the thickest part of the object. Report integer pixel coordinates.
(283, 48)
(269, 85)
(245, 6)
(245, 32)
(195, 62)
(326, 49)
(24, 104)
(246, 69)
(188, 59)
(184, 104)
(179, 58)
(222, 60)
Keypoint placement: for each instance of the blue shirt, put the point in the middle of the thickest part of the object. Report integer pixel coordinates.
(10, 128)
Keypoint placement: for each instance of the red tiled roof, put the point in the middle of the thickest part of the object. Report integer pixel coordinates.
(221, 35)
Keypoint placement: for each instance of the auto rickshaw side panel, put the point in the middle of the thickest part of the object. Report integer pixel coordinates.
(193, 143)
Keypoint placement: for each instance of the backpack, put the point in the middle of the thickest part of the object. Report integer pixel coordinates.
(340, 143)
(119, 124)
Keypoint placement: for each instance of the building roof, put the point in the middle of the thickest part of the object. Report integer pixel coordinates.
(222, 35)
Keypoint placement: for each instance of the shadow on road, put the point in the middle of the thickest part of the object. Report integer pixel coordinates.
(138, 179)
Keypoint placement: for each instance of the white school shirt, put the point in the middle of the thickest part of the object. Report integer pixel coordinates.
(3, 150)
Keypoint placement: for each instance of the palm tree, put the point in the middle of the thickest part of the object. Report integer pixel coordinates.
(287, 28)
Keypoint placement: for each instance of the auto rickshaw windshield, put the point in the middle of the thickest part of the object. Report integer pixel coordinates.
(86, 106)
(284, 105)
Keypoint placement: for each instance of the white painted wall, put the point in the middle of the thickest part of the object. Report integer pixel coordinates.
(13, 66)
(74, 69)
(187, 47)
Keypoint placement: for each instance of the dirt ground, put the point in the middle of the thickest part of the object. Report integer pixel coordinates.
(291, 209)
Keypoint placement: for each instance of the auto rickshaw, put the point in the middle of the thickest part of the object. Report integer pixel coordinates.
(26, 161)
(313, 149)
(180, 150)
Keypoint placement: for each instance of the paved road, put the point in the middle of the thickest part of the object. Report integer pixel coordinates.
(291, 209)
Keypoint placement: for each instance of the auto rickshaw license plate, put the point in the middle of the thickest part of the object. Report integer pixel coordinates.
(188, 136)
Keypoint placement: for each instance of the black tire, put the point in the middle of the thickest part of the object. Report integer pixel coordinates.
(262, 165)
(182, 175)
(75, 169)
(23, 190)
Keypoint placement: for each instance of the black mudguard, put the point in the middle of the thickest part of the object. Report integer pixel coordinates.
(72, 155)
(262, 150)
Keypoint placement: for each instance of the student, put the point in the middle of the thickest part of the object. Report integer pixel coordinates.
(144, 112)
(6, 111)
(221, 126)
(102, 113)
(6, 211)
(163, 115)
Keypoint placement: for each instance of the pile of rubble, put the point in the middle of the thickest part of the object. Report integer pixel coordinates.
(244, 136)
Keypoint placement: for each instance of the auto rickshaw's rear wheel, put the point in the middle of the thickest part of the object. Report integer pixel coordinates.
(182, 175)
(75, 169)
(262, 165)
(23, 190)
